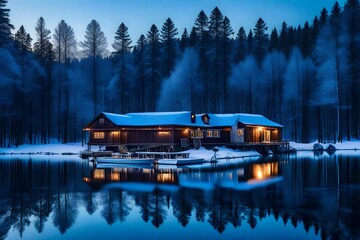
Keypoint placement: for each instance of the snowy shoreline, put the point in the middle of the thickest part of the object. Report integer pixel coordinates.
(76, 148)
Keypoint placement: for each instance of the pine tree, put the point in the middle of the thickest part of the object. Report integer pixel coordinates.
(250, 43)
(184, 40)
(351, 19)
(305, 44)
(284, 44)
(153, 42)
(5, 25)
(65, 50)
(122, 46)
(227, 31)
(139, 53)
(200, 36)
(261, 40)
(335, 24)
(169, 45)
(23, 108)
(193, 39)
(324, 17)
(41, 51)
(274, 41)
(94, 46)
(216, 31)
(240, 45)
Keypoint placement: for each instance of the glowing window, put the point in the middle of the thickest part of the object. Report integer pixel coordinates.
(209, 133)
(99, 135)
(240, 132)
(216, 133)
(199, 134)
(192, 134)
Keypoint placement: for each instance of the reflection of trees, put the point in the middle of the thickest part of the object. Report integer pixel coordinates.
(157, 208)
(142, 200)
(217, 211)
(182, 206)
(65, 211)
(115, 206)
(108, 211)
(200, 204)
(90, 202)
(325, 202)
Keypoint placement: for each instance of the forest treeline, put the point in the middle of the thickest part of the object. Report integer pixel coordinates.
(305, 77)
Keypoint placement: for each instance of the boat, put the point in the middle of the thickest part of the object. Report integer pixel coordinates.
(171, 158)
(127, 158)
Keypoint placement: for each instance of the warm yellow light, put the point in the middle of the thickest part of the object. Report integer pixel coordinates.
(165, 178)
(99, 174)
(163, 133)
(115, 176)
(115, 133)
(265, 170)
(86, 179)
(260, 128)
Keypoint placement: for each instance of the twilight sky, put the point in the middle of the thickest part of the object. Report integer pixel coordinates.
(139, 15)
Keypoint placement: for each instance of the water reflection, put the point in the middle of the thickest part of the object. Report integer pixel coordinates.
(319, 193)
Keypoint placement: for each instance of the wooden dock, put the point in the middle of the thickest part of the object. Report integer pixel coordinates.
(263, 148)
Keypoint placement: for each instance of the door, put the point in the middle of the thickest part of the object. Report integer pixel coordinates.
(267, 136)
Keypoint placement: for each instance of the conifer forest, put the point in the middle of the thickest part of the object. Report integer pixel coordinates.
(306, 77)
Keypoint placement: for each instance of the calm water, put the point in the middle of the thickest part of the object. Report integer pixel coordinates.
(280, 197)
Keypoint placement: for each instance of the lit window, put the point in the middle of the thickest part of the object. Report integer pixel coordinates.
(192, 134)
(199, 134)
(99, 135)
(101, 120)
(240, 132)
(216, 133)
(209, 133)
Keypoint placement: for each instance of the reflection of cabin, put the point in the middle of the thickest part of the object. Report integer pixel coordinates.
(180, 129)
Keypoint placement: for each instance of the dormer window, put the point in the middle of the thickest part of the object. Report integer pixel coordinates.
(205, 118)
(193, 118)
(101, 120)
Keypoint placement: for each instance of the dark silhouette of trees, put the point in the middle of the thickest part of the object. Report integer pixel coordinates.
(94, 47)
(122, 46)
(40, 100)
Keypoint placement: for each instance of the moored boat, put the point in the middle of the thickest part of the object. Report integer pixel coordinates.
(124, 159)
(171, 158)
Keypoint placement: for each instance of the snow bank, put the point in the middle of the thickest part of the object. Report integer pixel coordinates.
(52, 148)
(345, 145)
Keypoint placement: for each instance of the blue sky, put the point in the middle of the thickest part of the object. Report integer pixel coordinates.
(139, 15)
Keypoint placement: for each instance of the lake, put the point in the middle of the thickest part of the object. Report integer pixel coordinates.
(296, 196)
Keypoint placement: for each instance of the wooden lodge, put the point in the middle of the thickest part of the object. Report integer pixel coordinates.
(180, 129)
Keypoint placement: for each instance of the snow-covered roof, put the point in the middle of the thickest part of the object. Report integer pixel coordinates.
(184, 119)
(221, 120)
(153, 119)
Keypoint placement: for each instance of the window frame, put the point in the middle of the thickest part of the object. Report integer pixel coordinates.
(99, 135)
(240, 132)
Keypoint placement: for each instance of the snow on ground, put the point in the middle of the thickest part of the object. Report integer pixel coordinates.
(222, 153)
(345, 145)
(76, 148)
(52, 148)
